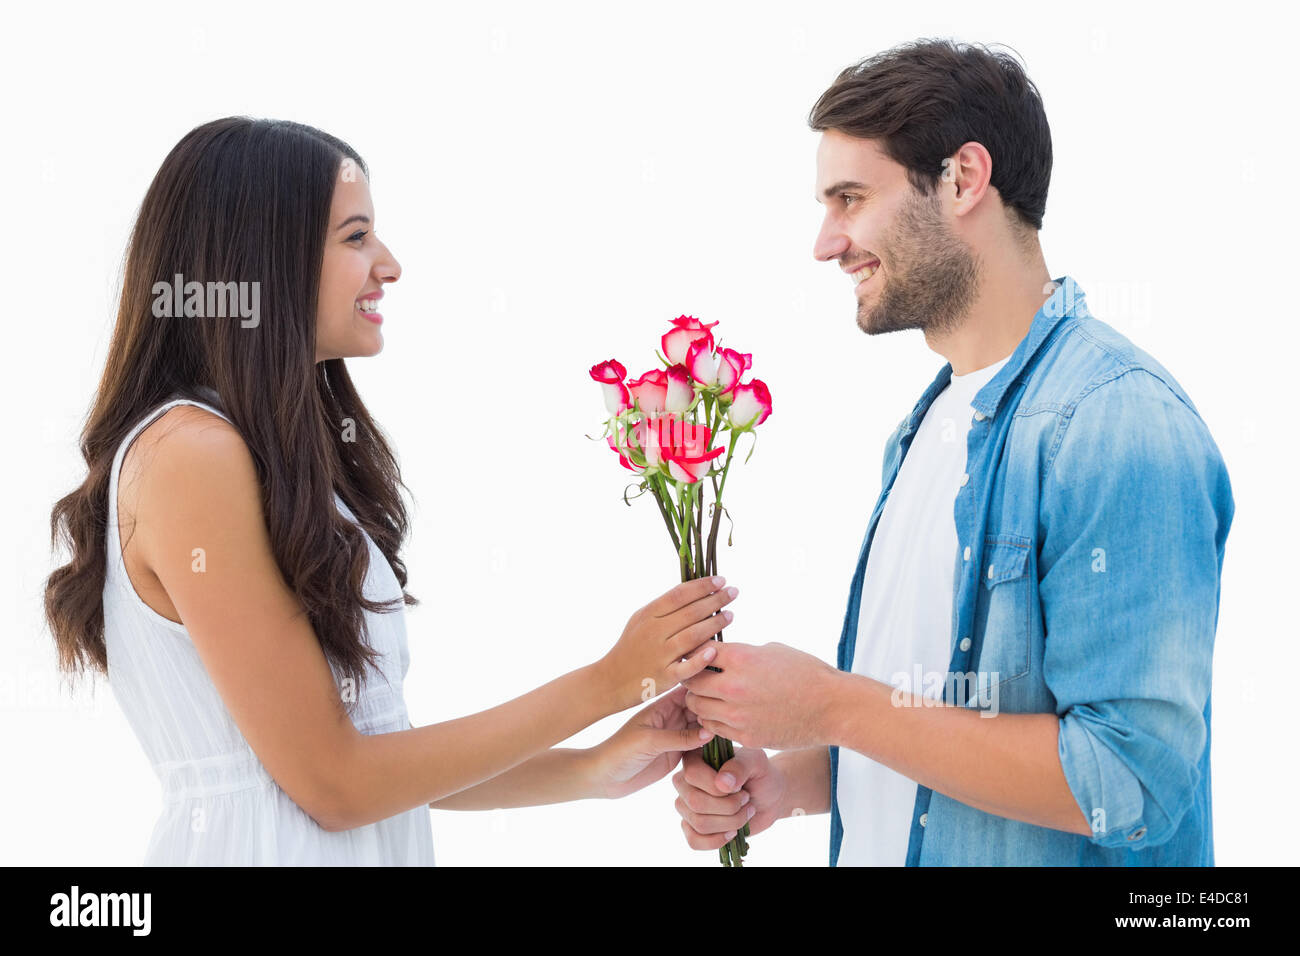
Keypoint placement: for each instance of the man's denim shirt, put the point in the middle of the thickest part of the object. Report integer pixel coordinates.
(1091, 527)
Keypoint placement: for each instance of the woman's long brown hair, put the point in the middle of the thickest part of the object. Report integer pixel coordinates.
(241, 200)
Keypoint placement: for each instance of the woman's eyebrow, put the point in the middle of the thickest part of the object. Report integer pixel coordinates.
(355, 218)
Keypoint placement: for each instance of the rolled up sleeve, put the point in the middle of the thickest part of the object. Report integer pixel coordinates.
(1134, 514)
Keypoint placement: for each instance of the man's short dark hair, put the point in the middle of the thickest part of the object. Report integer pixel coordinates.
(922, 100)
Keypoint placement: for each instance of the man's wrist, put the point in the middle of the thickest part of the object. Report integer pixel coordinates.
(806, 781)
(835, 693)
(783, 764)
(864, 712)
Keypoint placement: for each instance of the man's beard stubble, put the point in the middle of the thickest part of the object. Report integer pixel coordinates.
(938, 276)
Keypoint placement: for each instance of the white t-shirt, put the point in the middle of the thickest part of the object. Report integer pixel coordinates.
(905, 619)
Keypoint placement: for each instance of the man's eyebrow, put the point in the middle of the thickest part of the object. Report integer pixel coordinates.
(351, 219)
(843, 184)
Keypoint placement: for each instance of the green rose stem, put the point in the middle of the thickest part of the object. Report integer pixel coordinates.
(654, 486)
(684, 519)
(719, 749)
(699, 520)
(724, 750)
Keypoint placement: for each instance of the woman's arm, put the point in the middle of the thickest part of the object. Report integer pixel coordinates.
(557, 775)
(646, 748)
(200, 491)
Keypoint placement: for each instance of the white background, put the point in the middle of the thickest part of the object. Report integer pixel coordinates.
(557, 182)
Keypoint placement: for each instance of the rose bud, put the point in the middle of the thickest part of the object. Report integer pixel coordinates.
(732, 365)
(751, 405)
(681, 391)
(610, 375)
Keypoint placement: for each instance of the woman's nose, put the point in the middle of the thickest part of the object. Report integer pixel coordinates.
(390, 270)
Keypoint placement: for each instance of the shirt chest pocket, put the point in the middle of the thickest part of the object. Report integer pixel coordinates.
(1004, 620)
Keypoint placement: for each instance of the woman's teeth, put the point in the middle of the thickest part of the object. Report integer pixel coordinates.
(368, 305)
(865, 272)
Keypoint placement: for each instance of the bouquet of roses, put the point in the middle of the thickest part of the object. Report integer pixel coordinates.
(665, 427)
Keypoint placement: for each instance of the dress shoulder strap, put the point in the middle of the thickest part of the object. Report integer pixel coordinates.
(144, 423)
(117, 567)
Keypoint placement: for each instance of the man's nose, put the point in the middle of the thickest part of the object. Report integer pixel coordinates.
(830, 244)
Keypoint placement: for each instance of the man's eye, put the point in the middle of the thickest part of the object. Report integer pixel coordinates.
(357, 235)
(846, 197)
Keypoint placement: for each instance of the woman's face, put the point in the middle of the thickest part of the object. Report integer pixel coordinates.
(354, 269)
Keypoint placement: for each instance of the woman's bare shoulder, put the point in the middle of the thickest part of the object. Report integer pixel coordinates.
(182, 441)
(187, 460)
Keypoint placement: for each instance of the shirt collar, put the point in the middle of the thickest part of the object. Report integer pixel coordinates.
(1067, 300)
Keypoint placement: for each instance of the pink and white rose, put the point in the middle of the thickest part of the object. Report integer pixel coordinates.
(723, 368)
(686, 329)
(681, 447)
(731, 366)
(681, 390)
(650, 391)
(701, 362)
(678, 448)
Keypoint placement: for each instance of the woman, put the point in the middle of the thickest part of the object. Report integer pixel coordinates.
(234, 549)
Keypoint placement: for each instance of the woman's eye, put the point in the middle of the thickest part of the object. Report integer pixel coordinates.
(357, 235)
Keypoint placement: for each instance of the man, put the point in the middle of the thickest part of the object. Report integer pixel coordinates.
(1024, 671)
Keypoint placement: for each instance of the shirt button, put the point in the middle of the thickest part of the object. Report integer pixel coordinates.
(923, 816)
(990, 571)
(965, 478)
(979, 416)
(965, 644)
(965, 555)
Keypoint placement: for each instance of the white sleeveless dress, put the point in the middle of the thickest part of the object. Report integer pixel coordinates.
(220, 805)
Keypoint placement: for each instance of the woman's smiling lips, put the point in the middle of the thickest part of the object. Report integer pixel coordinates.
(367, 304)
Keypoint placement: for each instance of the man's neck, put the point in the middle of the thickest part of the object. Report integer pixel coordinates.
(1011, 293)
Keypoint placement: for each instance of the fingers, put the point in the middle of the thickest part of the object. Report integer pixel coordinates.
(698, 842)
(723, 729)
(674, 700)
(701, 608)
(685, 641)
(709, 818)
(749, 762)
(672, 741)
(698, 801)
(667, 710)
(685, 670)
(711, 824)
(706, 708)
(684, 594)
(705, 684)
